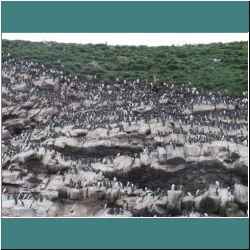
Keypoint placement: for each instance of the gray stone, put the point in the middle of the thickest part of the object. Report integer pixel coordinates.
(6, 134)
(187, 202)
(241, 193)
(174, 201)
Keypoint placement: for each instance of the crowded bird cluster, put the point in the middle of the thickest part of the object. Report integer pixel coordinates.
(39, 103)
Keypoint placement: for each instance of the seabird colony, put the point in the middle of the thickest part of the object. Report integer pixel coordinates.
(115, 149)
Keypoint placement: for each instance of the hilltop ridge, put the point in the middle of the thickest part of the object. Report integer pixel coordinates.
(214, 67)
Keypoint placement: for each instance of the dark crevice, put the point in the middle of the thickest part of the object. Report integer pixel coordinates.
(99, 151)
(190, 178)
(8, 117)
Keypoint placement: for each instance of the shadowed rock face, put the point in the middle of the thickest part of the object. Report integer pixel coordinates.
(192, 178)
(76, 148)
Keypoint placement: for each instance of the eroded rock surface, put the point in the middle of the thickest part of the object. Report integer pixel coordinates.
(76, 148)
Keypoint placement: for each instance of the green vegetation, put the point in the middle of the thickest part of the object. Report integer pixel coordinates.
(176, 64)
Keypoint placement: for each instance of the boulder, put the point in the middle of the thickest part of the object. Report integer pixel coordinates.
(187, 202)
(160, 205)
(39, 135)
(162, 155)
(226, 197)
(55, 183)
(23, 87)
(140, 128)
(45, 114)
(78, 132)
(28, 105)
(6, 134)
(47, 83)
(192, 152)
(233, 211)
(25, 156)
(11, 178)
(174, 201)
(112, 195)
(143, 205)
(210, 202)
(143, 109)
(50, 194)
(17, 124)
(123, 163)
(5, 92)
(241, 193)
(145, 159)
(74, 194)
(65, 142)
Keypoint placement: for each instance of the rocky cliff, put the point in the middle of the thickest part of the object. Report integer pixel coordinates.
(77, 148)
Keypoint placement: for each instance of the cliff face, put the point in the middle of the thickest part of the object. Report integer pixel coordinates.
(72, 148)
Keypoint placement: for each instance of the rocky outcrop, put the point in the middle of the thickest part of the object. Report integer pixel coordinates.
(174, 201)
(22, 87)
(241, 194)
(77, 148)
(6, 134)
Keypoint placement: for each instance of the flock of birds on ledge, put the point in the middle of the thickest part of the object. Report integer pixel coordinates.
(121, 98)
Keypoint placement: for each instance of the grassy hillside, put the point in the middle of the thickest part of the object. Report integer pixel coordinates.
(176, 64)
